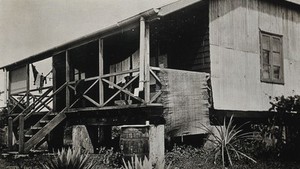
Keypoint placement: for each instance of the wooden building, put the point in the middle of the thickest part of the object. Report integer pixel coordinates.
(168, 66)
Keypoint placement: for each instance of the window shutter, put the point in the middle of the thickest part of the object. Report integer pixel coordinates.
(271, 58)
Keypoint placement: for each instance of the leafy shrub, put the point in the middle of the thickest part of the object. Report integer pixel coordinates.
(225, 141)
(109, 157)
(70, 158)
(286, 132)
(290, 104)
(137, 163)
(269, 140)
(187, 157)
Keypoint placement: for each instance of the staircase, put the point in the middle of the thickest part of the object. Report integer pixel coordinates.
(34, 136)
(43, 127)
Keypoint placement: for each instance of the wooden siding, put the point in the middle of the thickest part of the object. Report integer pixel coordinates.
(183, 39)
(235, 52)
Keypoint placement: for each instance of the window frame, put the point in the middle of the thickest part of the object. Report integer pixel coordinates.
(271, 58)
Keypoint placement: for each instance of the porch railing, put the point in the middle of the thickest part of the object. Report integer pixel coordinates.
(112, 89)
(27, 103)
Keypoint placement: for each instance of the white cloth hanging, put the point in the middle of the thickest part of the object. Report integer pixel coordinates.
(112, 69)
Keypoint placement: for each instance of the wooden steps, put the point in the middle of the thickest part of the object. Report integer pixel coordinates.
(31, 134)
(35, 136)
(28, 136)
(44, 121)
(39, 136)
(35, 128)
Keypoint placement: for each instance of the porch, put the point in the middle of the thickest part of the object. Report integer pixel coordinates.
(138, 72)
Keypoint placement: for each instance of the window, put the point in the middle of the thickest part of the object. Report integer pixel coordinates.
(271, 58)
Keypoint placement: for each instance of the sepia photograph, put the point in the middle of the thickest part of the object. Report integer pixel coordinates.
(149, 84)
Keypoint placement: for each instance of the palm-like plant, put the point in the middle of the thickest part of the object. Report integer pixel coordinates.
(138, 163)
(69, 159)
(225, 139)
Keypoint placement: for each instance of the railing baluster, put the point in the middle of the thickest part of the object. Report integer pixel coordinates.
(155, 96)
(32, 105)
(17, 104)
(155, 76)
(119, 90)
(54, 93)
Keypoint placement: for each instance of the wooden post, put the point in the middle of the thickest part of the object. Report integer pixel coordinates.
(27, 85)
(142, 53)
(101, 72)
(147, 63)
(5, 87)
(156, 143)
(10, 133)
(8, 91)
(54, 85)
(21, 133)
(67, 79)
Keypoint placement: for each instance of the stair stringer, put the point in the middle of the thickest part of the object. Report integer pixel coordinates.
(36, 138)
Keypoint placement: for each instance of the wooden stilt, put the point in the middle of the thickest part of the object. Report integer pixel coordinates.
(10, 133)
(21, 134)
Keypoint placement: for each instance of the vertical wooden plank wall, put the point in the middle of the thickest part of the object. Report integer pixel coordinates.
(235, 55)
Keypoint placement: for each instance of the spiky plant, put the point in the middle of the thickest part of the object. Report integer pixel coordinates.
(225, 140)
(137, 163)
(69, 159)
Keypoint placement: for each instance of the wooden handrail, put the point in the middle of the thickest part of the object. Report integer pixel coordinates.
(36, 98)
(54, 93)
(32, 90)
(91, 78)
(44, 105)
(120, 73)
(108, 75)
(155, 68)
(32, 105)
(120, 89)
